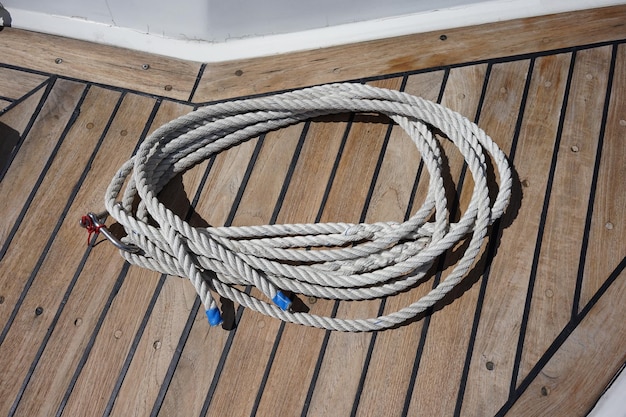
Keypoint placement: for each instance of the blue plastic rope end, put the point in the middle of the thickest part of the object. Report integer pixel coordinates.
(282, 301)
(214, 316)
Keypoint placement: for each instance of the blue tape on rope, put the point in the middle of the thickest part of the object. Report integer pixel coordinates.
(282, 301)
(214, 316)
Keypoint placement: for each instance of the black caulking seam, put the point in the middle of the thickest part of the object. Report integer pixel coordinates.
(275, 213)
(49, 85)
(114, 290)
(233, 332)
(23, 98)
(426, 319)
(268, 367)
(541, 228)
(381, 306)
(29, 281)
(133, 347)
(495, 236)
(420, 168)
(329, 184)
(197, 82)
(561, 339)
(92, 340)
(318, 366)
(454, 206)
(164, 386)
(594, 184)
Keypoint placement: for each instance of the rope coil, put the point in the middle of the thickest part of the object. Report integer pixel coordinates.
(352, 261)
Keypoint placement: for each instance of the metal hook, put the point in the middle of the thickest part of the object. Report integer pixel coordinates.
(92, 223)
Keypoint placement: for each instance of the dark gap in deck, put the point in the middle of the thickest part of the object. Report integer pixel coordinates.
(491, 249)
(542, 223)
(594, 185)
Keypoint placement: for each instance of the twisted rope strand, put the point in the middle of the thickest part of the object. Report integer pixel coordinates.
(352, 261)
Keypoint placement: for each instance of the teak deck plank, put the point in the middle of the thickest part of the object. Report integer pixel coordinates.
(449, 328)
(84, 333)
(202, 345)
(497, 333)
(88, 293)
(36, 151)
(243, 368)
(98, 63)
(389, 360)
(116, 333)
(41, 248)
(14, 84)
(411, 52)
(607, 235)
(581, 364)
(563, 231)
(303, 202)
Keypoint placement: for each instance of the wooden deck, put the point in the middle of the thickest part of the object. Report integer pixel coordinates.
(537, 328)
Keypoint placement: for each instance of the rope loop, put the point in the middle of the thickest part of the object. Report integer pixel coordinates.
(354, 261)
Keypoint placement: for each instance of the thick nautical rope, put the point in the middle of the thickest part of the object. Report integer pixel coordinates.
(348, 261)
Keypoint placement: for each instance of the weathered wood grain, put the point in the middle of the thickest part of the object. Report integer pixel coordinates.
(41, 255)
(98, 63)
(189, 384)
(607, 236)
(557, 265)
(412, 52)
(442, 359)
(498, 330)
(35, 150)
(582, 367)
(295, 358)
(14, 84)
(85, 298)
(392, 362)
(86, 335)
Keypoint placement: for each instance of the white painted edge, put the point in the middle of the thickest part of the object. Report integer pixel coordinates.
(232, 49)
(613, 401)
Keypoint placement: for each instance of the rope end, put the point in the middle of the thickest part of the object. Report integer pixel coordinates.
(214, 316)
(282, 301)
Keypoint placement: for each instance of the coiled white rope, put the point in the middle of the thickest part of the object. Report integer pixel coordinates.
(352, 261)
